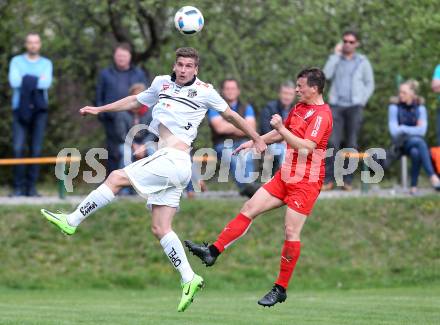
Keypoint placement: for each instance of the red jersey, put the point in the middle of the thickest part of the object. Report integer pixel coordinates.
(311, 122)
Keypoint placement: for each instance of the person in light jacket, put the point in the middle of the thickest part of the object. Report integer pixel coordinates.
(352, 84)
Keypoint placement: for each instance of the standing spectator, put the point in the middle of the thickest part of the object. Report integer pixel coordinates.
(223, 130)
(30, 76)
(144, 142)
(408, 122)
(282, 107)
(113, 84)
(436, 88)
(352, 84)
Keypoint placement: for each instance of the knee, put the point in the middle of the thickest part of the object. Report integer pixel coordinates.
(414, 153)
(291, 232)
(248, 210)
(159, 231)
(115, 178)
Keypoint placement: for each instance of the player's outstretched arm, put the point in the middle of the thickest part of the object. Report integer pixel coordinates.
(303, 145)
(239, 122)
(269, 138)
(124, 104)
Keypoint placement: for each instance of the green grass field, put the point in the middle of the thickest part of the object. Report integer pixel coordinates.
(363, 261)
(368, 306)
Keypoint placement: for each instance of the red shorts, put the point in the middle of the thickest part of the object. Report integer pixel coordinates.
(299, 196)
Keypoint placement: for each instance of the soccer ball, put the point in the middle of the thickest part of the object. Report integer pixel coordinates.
(188, 20)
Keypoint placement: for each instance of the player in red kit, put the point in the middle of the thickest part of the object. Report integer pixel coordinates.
(297, 184)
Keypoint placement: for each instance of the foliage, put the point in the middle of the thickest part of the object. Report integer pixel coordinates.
(262, 43)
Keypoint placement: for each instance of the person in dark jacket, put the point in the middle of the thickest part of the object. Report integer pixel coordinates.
(30, 77)
(113, 84)
(282, 107)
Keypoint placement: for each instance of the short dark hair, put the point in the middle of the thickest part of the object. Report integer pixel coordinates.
(222, 84)
(123, 46)
(188, 52)
(315, 77)
(352, 33)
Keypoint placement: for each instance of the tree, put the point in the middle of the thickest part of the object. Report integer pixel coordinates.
(261, 43)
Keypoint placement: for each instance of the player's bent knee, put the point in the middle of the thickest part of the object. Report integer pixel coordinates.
(159, 231)
(117, 177)
(292, 232)
(248, 209)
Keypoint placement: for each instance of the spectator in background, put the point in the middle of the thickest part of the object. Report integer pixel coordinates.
(352, 84)
(143, 143)
(30, 76)
(436, 88)
(280, 106)
(114, 84)
(195, 179)
(223, 130)
(143, 115)
(408, 122)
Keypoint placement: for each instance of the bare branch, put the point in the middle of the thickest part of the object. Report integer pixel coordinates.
(119, 31)
(153, 41)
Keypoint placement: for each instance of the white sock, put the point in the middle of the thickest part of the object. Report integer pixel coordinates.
(173, 248)
(95, 200)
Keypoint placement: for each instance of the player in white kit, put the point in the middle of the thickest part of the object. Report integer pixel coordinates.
(180, 103)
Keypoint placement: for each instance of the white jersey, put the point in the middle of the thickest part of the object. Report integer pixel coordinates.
(180, 108)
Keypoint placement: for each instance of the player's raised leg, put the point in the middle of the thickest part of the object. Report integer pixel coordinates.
(173, 248)
(259, 203)
(294, 222)
(97, 199)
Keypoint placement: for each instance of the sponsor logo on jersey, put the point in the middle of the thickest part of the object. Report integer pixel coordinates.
(309, 113)
(199, 83)
(165, 86)
(192, 93)
(316, 126)
(188, 126)
(173, 258)
(88, 208)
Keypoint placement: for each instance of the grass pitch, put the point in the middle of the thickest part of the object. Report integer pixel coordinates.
(156, 306)
(363, 261)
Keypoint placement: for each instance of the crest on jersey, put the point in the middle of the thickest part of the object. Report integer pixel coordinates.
(192, 93)
(309, 113)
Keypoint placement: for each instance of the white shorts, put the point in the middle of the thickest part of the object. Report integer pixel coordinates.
(161, 177)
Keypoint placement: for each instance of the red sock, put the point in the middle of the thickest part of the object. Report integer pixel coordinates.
(236, 228)
(289, 256)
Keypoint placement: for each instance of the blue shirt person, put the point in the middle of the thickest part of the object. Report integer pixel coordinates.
(30, 77)
(223, 131)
